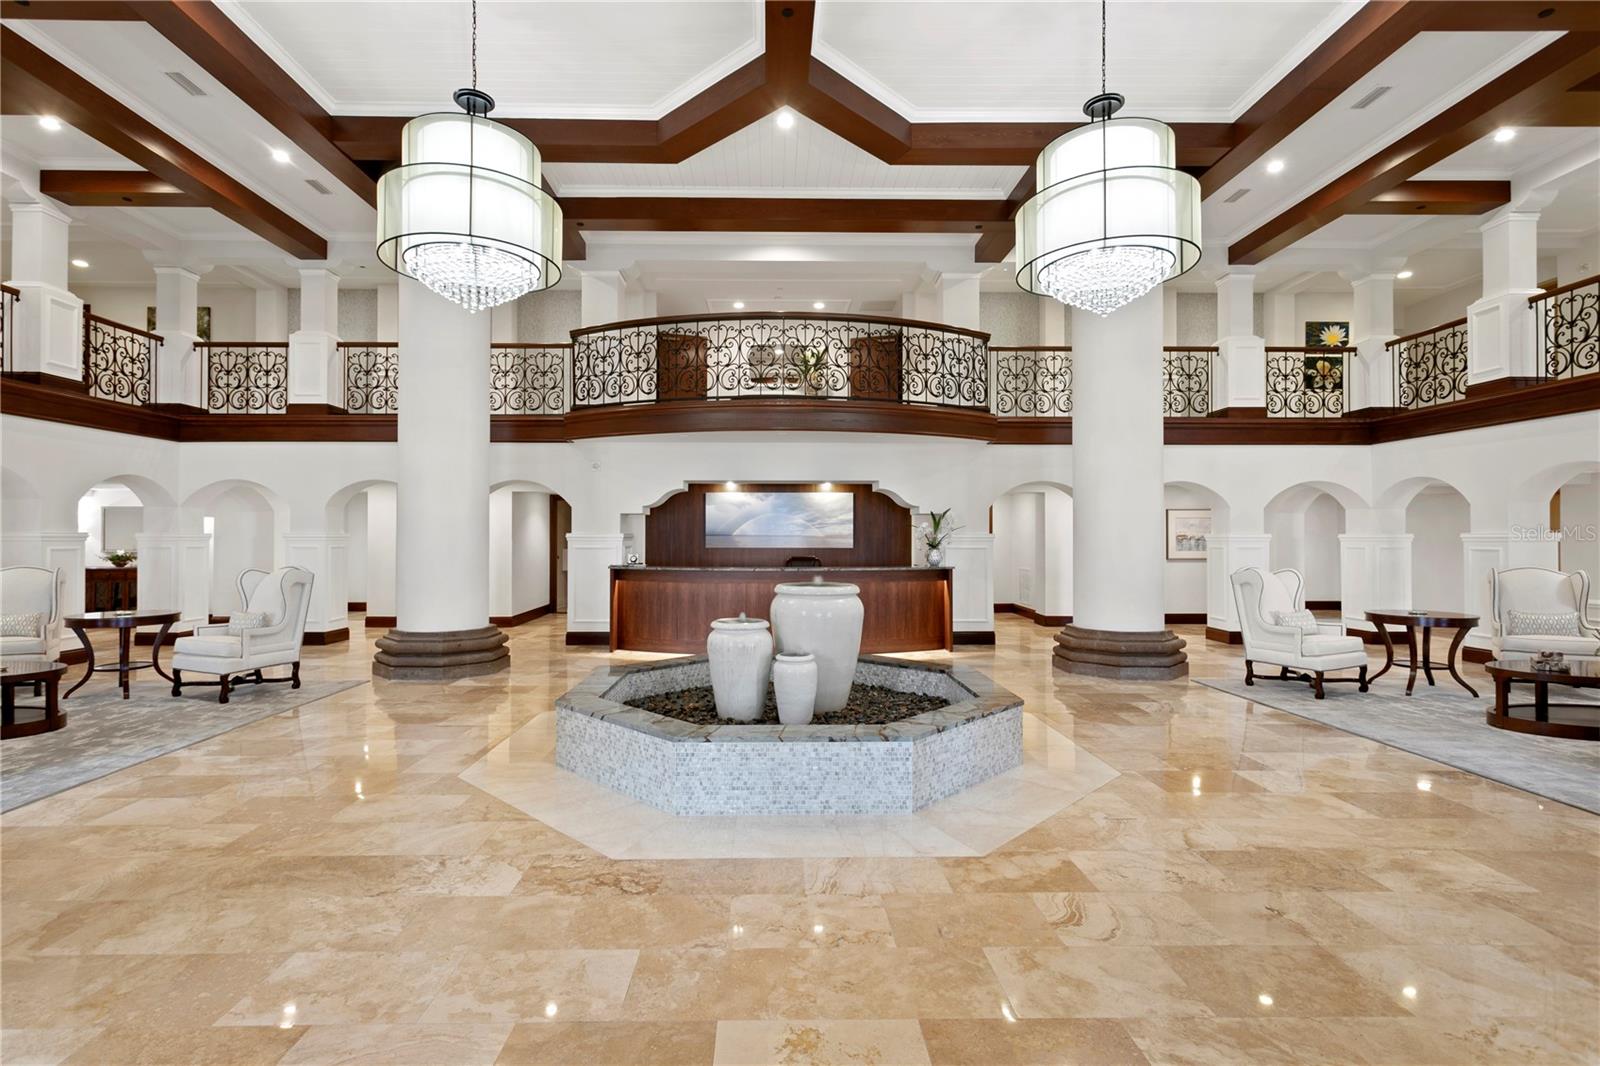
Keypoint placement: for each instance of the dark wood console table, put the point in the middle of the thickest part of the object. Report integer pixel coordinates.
(670, 609)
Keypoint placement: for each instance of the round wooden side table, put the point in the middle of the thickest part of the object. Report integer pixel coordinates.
(124, 622)
(1427, 622)
(23, 670)
(1579, 673)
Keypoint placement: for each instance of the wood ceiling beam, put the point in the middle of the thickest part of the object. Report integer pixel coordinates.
(68, 10)
(114, 188)
(1517, 98)
(31, 82)
(1438, 198)
(999, 240)
(761, 214)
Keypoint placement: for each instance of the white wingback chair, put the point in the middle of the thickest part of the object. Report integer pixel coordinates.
(1536, 590)
(284, 598)
(31, 590)
(1260, 595)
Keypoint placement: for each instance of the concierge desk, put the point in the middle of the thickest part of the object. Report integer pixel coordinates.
(670, 608)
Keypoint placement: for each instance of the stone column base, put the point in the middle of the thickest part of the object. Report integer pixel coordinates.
(410, 656)
(1153, 656)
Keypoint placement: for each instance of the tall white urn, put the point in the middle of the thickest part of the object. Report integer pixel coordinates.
(822, 618)
(740, 655)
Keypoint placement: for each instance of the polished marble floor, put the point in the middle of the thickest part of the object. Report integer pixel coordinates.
(1242, 886)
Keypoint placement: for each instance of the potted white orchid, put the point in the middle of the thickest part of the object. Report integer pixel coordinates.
(935, 531)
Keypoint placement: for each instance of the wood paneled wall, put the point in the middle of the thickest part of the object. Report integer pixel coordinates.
(675, 532)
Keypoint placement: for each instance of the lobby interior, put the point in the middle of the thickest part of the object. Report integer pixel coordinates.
(1216, 492)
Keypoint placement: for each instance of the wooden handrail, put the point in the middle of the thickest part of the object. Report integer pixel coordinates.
(795, 316)
(1030, 347)
(1189, 348)
(15, 294)
(1580, 283)
(1309, 350)
(1424, 332)
(525, 344)
(241, 344)
(369, 344)
(114, 324)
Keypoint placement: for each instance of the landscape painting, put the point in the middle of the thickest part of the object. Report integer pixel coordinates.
(780, 520)
(1187, 531)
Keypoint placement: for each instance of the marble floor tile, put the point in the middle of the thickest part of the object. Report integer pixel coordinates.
(819, 1042)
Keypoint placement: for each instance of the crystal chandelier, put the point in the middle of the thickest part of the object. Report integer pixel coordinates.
(466, 213)
(1113, 216)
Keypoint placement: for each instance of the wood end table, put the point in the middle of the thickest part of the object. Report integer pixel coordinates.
(1427, 622)
(124, 622)
(1509, 669)
(29, 670)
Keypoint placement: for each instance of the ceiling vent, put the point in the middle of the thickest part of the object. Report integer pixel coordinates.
(317, 185)
(1236, 197)
(185, 84)
(1371, 98)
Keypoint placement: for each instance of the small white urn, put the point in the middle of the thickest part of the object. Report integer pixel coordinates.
(794, 683)
(740, 654)
(822, 618)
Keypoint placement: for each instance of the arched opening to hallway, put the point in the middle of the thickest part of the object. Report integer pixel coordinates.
(111, 518)
(524, 558)
(1306, 522)
(246, 527)
(1575, 515)
(1032, 528)
(1436, 518)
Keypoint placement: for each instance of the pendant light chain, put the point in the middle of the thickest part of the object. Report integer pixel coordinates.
(475, 48)
(1102, 45)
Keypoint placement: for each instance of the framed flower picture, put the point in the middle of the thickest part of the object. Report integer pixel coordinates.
(1187, 532)
(1327, 334)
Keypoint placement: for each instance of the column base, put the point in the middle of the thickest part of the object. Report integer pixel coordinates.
(404, 655)
(1145, 656)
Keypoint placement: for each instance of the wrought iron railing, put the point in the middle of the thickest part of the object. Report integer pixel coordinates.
(1033, 382)
(1307, 382)
(1430, 367)
(246, 377)
(371, 377)
(1567, 323)
(119, 361)
(1186, 381)
(528, 379)
(723, 357)
(8, 325)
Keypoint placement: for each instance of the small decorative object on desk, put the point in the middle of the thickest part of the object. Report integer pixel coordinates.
(794, 683)
(1552, 662)
(633, 560)
(935, 532)
(119, 557)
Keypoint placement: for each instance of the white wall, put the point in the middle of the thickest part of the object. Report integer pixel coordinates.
(1436, 518)
(126, 518)
(1438, 309)
(1324, 523)
(233, 308)
(381, 501)
(1580, 533)
(355, 527)
(1185, 579)
(1033, 549)
(1010, 318)
(243, 538)
(1321, 307)
(530, 524)
(548, 317)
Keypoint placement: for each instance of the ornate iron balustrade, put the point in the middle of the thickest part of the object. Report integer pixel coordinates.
(1307, 382)
(1430, 367)
(119, 362)
(720, 357)
(528, 379)
(8, 325)
(1567, 323)
(246, 377)
(1033, 382)
(371, 377)
(1186, 381)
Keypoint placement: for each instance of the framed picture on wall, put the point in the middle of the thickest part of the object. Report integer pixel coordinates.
(202, 321)
(1327, 334)
(1187, 532)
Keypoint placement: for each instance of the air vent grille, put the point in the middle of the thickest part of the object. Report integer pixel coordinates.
(317, 185)
(1371, 98)
(1236, 197)
(185, 84)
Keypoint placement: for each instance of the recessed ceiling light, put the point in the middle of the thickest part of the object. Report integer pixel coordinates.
(1403, 275)
(785, 119)
(738, 305)
(1275, 166)
(729, 485)
(49, 122)
(279, 155)
(1504, 134)
(80, 263)
(818, 305)
(826, 486)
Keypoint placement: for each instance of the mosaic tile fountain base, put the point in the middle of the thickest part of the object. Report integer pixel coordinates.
(683, 768)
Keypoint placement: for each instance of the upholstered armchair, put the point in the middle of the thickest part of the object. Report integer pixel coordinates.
(266, 633)
(1534, 609)
(29, 625)
(1279, 631)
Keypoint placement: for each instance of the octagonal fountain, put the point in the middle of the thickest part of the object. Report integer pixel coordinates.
(948, 729)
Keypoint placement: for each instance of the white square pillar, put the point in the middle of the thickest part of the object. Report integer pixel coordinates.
(48, 334)
(601, 297)
(1281, 327)
(970, 557)
(180, 369)
(175, 575)
(1225, 554)
(272, 315)
(590, 557)
(1500, 326)
(1240, 379)
(1371, 378)
(316, 367)
(960, 299)
(327, 556)
(1374, 574)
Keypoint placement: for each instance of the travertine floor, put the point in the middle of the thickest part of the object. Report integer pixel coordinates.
(1252, 888)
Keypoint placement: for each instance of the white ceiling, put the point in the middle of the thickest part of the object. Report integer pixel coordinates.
(22, 137)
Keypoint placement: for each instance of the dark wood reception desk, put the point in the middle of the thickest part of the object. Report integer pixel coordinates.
(670, 608)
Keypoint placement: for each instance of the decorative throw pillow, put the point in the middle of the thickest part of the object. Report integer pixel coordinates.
(1542, 624)
(1304, 621)
(239, 621)
(25, 624)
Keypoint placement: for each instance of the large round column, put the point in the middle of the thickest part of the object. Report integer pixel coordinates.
(1118, 519)
(442, 515)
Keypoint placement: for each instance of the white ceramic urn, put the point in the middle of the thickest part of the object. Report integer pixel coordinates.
(740, 654)
(794, 683)
(822, 618)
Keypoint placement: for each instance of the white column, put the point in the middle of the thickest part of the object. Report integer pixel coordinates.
(389, 312)
(1169, 314)
(925, 302)
(1053, 323)
(327, 556)
(1500, 326)
(175, 575)
(1226, 553)
(960, 298)
(1241, 376)
(590, 557)
(272, 314)
(1118, 518)
(1371, 329)
(316, 369)
(601, 299)
(48, 335)
(180, 369)
(970, 557)
(503, 323)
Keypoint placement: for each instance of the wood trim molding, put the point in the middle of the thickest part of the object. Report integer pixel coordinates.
(328, 636)
(576, 639)
(973, 636)
(1053, 621)
(505, 621)
(380, 621)
(1224, 636)
(356, 606)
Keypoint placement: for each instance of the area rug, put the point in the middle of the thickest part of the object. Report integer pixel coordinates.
(105, 733)
(1445, 724)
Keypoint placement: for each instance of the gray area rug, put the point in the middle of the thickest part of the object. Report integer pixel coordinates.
(1446, 724)
(105, 733)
